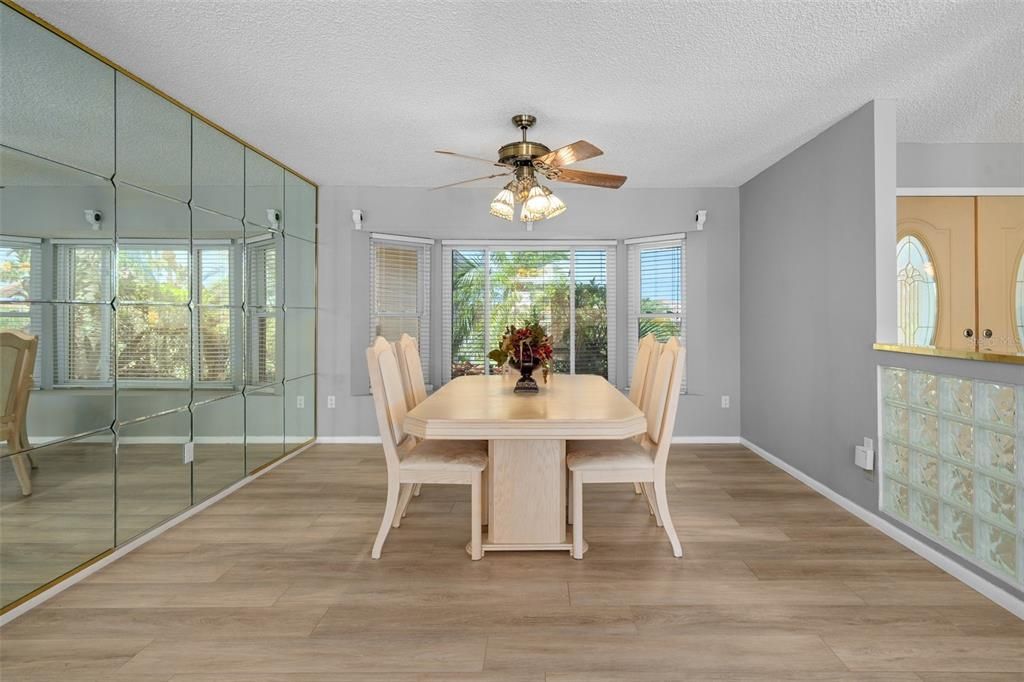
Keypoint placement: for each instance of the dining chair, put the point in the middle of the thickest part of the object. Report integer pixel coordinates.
(625, 461)
(415, 392)
(646, 357)
(17, 358)
(426, 461)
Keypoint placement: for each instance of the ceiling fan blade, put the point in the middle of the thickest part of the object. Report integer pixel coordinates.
(581, 177)
(463, 182)
(570, 153)
(471, 158)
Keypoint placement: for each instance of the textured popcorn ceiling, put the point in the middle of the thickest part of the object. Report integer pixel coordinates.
(677, 94)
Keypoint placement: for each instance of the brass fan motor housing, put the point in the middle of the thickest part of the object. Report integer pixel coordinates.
(521, 152)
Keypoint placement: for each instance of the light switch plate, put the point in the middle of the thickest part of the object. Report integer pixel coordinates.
(330, 401)
(725, 401)
(300, 402)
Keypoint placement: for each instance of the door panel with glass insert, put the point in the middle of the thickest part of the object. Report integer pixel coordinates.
(935, 271)
(1001, 274)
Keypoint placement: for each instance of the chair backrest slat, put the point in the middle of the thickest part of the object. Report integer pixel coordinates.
(643, 357)
(652, 368)
(412, 371)
(388, 396)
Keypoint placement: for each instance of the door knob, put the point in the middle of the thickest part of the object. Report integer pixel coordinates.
(968, 333)
(987, 333)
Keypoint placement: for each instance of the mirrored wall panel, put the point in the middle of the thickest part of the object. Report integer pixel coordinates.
(56, 511)
(152, 268)
(218, 436)
(264, 425)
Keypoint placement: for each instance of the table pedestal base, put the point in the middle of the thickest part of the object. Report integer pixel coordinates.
(526, 493)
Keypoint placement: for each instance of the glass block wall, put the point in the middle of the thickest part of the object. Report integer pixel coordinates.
(953, 464)
(163, 274)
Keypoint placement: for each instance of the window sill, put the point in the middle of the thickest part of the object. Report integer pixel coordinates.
(981, 356)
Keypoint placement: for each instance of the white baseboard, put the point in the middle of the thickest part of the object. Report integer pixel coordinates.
(976, 582)
(139, 541)
(707, 440)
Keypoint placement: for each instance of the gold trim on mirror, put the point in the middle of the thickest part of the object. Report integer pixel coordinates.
(982, 356)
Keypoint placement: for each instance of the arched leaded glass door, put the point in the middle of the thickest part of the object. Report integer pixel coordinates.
(918, 297)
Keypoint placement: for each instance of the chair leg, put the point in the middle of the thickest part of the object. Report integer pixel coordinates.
(648, 489)
(577, 516)
(485, 500)
(661, 498)
(637, 489)
(416, 488)
(476, 502)
(568, 498)
(390, 507)
(404, 498)
(23, 470)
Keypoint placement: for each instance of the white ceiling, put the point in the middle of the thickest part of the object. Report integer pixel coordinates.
(678, 94)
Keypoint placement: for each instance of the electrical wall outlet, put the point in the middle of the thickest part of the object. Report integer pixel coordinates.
(188, 452)
(864, 458)
(725, 401)
(300, 401)
(330, 402)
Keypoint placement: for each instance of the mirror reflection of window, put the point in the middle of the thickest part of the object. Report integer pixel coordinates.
(918, 293)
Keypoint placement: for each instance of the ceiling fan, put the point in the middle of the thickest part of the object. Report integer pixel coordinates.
(524, 160)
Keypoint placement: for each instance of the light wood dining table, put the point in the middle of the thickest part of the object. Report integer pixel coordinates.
(525, 494)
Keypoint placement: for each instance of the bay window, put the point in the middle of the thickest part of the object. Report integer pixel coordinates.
(570, 289)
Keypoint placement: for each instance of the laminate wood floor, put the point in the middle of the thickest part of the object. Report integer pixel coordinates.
(275, 584)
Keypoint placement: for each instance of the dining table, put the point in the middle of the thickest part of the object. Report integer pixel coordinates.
(525, 480)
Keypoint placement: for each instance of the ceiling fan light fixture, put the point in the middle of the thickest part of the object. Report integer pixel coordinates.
(503, 205)
(528, 216)
(536, 201)
(555, 205)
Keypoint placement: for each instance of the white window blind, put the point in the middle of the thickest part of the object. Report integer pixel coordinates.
(657, 297)
(20, 284)
(400, 293)
(215, 315)
(153, 321)
(568, 290)
(262, 301)
(83, 341)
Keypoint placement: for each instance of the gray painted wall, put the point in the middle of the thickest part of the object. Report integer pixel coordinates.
(712, 282)
(959, 165)
(809, 227)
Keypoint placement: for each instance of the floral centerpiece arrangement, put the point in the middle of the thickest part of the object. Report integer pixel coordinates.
(526, 348)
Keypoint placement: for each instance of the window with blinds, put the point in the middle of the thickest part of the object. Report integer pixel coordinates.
(263, 280)
(215, 315)
(657, 301)
(83, 339)
(400, 293)
(20, 283)
(153, 321)
(568, 290)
